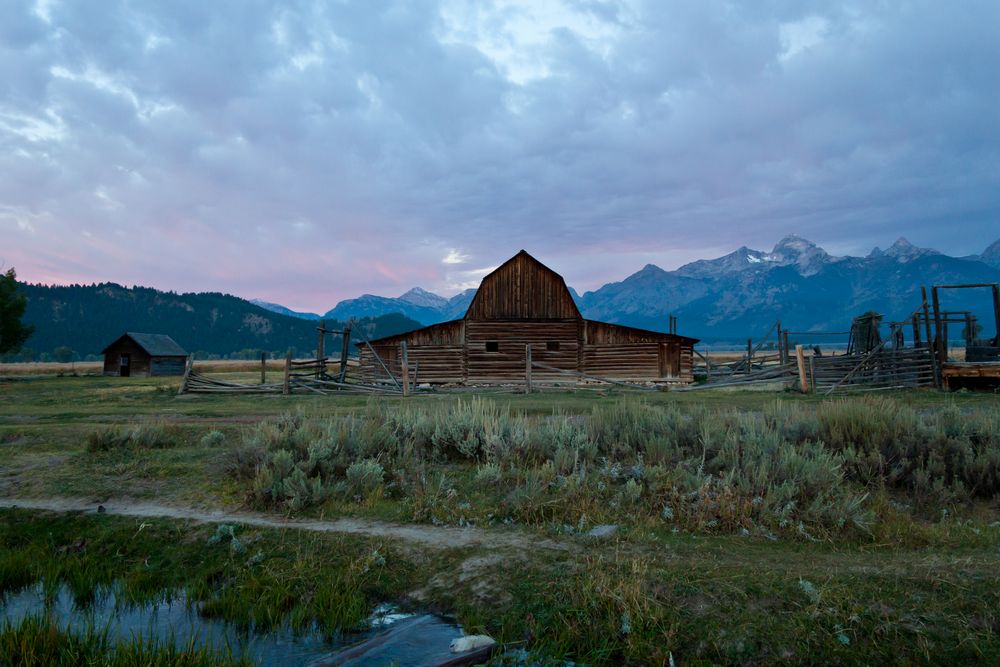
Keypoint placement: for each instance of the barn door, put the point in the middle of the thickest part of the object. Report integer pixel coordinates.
(670, 360)
(125, 365)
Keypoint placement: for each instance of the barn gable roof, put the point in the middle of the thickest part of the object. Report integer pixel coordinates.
(156, 345)
(522, 288)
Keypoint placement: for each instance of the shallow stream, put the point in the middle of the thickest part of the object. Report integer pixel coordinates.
(174, 620)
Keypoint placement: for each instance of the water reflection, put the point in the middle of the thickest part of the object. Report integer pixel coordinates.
(174, 620)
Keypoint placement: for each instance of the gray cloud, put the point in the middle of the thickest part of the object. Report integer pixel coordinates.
(304, 152)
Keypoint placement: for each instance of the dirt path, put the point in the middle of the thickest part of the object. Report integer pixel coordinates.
(432, 536)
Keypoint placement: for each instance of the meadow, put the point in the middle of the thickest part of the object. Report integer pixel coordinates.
(748, 527)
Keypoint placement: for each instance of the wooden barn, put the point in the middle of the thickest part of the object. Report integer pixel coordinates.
(144, 354)
(524, 303)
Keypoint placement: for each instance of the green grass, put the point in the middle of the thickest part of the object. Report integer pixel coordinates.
(874, 539)
(704, 599)
(37, 642)
(266, 578)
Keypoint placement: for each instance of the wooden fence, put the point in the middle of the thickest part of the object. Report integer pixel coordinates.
(884, 368)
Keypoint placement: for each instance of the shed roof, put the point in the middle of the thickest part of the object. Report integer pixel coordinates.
(156, 345)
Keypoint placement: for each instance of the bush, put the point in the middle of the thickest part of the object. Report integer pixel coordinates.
(794, 467)
(488, 474)
(478, 430)
(213, 439)
(142, 436)
(243, 463)
(364, 477)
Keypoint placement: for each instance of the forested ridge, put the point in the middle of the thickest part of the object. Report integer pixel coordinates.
(85, 318)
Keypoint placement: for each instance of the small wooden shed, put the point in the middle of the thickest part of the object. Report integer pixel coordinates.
(144, 354)
(522, 303)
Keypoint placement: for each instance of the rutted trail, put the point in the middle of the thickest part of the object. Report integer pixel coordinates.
(432, 536)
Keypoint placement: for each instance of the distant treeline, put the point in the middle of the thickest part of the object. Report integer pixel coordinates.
(76, 322)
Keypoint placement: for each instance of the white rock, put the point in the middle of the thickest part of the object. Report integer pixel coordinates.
(603, 531)
(469, 642)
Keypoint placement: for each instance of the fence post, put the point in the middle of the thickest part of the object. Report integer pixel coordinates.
(405, 374)
(188, 365)
(527, 368)
(263, 367)
(781, 356)
(285, 389)
(345, 346)
(800, 359)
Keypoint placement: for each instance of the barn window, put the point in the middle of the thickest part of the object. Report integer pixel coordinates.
(552, 346)
(492, 346)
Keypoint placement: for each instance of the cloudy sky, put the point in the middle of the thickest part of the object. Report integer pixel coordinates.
(305, 152)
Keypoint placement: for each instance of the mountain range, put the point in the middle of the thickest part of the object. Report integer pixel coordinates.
(743, 293)
(726, 299)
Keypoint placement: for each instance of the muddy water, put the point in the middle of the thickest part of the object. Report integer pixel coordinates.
(175, 621)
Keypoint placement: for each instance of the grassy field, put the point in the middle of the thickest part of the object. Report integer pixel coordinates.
(753, 527)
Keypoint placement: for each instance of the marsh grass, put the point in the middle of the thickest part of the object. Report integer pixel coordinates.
(709, 600)
(263, 579)
(36, 641)
(771, 608)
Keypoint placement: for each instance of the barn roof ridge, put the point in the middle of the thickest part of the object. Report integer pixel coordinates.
(156, 345)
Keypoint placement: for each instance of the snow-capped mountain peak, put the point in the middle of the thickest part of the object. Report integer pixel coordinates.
(421, 297)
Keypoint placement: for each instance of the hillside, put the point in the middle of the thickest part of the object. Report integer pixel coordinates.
(86, 318)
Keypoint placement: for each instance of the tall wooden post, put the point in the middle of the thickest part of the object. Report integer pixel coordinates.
(996, 313)
(263, 367)
(941, 346)
(321, 340)
(286, 388)
(916, 330)
(527, 368)
(944, 328)
(780, 354)
(787, 355)
(405, 359)
(320, 347)
(800, 359)
(188, 365)
(345, 346)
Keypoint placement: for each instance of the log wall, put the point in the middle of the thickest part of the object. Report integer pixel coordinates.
(167, 365)
(507, 363)
(625, 353)
(138, 358)
(629, 361)
(437, 353)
